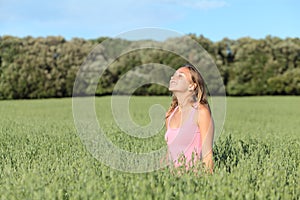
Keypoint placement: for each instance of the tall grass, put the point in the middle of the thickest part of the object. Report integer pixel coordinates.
(41, 156)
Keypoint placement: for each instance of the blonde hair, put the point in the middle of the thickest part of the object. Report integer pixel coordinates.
(199, 93)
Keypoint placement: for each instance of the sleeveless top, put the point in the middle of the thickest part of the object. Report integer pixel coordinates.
(184, 141)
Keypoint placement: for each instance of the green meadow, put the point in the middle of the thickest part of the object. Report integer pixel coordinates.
(257, 155)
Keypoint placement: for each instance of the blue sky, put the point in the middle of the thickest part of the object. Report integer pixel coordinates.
(215, 19)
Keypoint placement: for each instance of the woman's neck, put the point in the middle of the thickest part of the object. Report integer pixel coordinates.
(184, 101)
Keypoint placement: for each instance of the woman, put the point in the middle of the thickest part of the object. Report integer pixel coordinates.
(189, 123)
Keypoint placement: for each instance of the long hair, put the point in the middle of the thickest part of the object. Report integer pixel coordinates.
(199, 93)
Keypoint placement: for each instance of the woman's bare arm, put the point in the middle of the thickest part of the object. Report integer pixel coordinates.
(206, 128)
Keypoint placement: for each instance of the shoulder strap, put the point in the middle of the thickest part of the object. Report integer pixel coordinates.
(169, 119)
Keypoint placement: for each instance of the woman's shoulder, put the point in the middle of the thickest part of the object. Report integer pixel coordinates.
(203, 116)
(203, 109)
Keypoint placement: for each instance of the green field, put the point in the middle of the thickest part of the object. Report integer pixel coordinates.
(257, 156)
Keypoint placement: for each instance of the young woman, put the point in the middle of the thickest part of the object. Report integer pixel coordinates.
(189, 123)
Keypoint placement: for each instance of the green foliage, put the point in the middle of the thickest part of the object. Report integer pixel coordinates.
(259, 63)
(287, 83)
(47, 67)
(40, 67)
(257, 156)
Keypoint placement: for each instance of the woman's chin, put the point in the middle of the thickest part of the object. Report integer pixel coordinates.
(171, 89)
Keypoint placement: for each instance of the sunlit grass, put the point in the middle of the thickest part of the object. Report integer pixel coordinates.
(41, 156)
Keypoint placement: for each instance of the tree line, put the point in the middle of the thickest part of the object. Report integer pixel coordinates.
(45, 67)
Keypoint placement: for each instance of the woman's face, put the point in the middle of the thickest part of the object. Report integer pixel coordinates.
(181, 80)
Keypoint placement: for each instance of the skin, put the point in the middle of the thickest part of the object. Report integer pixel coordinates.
(182, 87)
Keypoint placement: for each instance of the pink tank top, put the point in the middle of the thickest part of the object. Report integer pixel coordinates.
(184, 140)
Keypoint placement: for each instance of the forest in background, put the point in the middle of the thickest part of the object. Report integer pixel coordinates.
(46, 67)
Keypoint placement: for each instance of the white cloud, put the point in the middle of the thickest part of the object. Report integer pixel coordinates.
(199, 4)
(206, 4)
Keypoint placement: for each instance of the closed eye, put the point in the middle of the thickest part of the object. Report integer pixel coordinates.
(179, 75)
